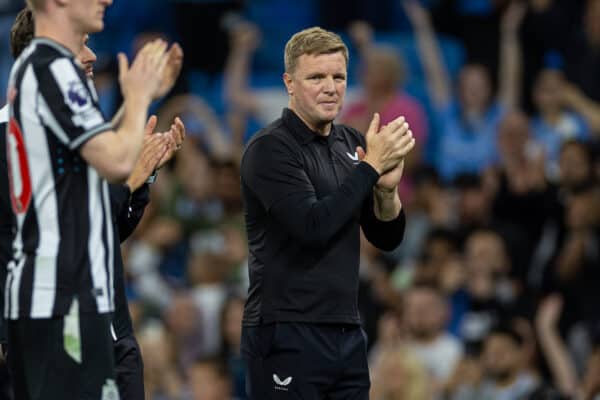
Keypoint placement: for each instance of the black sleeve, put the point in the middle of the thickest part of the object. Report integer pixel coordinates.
(128, 207)
(68, 103)
(385, 235)
(274, 173)
(139, 200)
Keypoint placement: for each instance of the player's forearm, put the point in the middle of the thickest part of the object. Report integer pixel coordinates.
(387, 204)
(131, 131)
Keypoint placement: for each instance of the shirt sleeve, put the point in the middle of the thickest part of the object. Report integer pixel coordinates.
(68, 104)
(135, 211)
(274, 174)
(385, 235)
(128, 208)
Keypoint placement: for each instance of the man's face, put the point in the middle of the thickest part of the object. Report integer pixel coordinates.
(513, 135)
(424, 313)
(87, 58)
(500, 356)
(88, 15)
(575, 168)
(317, 88)
(474, 86)
(547, 90)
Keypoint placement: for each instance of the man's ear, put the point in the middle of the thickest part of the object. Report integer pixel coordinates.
(289, 83)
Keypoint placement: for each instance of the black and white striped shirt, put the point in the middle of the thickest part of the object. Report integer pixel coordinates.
(63, 247)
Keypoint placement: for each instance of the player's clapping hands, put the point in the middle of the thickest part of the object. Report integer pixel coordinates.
(176, 135)
(171, 70)
(387, 146)
(144, 78)
(393, 142)
(157, 150)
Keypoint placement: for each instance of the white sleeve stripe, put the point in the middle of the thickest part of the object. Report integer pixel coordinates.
(107, 126)
(64, 73)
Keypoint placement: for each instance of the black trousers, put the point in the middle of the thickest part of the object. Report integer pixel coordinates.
(62, 358)
(130, 368)
(302, 361)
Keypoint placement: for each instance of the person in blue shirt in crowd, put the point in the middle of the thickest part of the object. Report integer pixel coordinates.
(468, 119)
(554, 123)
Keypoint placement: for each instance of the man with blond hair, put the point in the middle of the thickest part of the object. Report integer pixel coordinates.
(61, 152)
(128, 201)
(308, 187)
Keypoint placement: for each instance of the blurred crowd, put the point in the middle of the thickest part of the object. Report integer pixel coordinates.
(494, 293)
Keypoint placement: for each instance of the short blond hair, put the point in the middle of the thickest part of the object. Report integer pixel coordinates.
(311, 41)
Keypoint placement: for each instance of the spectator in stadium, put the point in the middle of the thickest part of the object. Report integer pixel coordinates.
(503, 365)
(382, 76)
(488, 293)
(389, 335)
(261, 105)
(581, 52)
(475, 202)
(399, 375)
(308, 187)
(521, 164)
(430, 206)
(468, 119)
(553, 123)
(553, 346)
(206, 129)
(576, 264)
(208, 270)
(575, 174)
(522, 195)
(162, 377)
(426, 313)
(591, 379)
(375, 289)
(439, 247)
(576, 166)
(589, 109)
(183, 320)
(231, 334)
(210, 379)
(501, 375)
